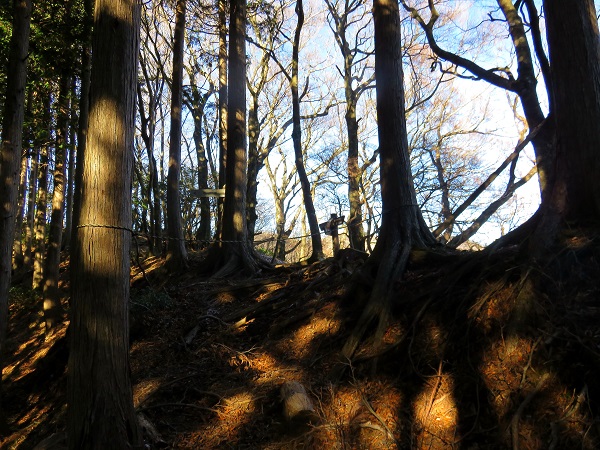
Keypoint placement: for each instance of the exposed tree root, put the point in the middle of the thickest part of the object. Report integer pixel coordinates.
(390, 270)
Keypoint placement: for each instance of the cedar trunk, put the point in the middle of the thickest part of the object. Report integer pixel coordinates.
(574, 48)
(100, 402)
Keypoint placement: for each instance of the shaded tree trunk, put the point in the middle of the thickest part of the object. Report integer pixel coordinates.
(66, 241)
(311, 215)
(574, 50)
(176, 252)
(223, 118)
(100, 402)
(84, 107)
(10, 155)
(235, 254)
(402, 225)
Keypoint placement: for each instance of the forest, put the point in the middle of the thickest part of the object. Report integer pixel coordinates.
(325, 224)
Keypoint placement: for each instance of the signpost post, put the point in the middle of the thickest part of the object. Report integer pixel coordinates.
(330, 228)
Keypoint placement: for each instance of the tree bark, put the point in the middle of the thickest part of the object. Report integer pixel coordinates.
(403, 226)
(10, 155)
(176, 253)
(574, 48)
(235, 254)
(100, 402)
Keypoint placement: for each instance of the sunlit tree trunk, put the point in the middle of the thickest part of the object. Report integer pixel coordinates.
(10, 156)
(42, 197)
(100, 403)
(18, 257)
(236, 250)
(176, 252)
(52, 305)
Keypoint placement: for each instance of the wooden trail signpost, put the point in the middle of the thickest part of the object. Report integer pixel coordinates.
(330, 228)
(208, 193)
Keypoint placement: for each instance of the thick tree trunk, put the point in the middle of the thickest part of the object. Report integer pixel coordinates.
(403, 226)
(236, 252)
(311, 215)
(10, 155)
(100, 402)
(176, 253)
(574, 48)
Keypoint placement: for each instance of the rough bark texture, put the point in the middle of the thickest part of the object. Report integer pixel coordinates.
(176, 253)
(10, 155)
(100, 404)
(235, 253)
(574, 48)
(403, 226)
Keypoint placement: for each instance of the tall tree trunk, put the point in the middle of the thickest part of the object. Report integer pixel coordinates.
(100, 401)
(355, 228)
(10, 156)
(84, 107)
(235, 254)
(30, 219)
(311, 215)
(223, 119)
(42, 197)
(197, 104)
(52, 306)
(403, 226)
(254, 165)
(70, 171)
(148, 129)
(176, 253)
(18, 257)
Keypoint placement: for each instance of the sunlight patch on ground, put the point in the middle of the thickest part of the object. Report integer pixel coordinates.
(504, 370)
(300, 343)
(436, 413)
(234, 412)
(38, 345)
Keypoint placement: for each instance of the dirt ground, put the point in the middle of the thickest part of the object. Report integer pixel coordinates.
(484, 351)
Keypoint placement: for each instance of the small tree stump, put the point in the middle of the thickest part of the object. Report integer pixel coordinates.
(298, 408)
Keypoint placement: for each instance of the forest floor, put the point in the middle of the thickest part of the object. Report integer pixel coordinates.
(484, 351)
